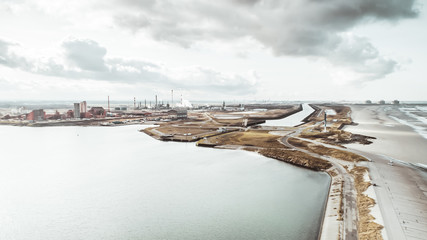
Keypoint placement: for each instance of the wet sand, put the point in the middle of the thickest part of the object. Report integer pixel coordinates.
(394, 139)
(401, 187)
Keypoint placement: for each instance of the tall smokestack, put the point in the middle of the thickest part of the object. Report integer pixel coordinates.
(172, 96)
(181, 100)
(156, 103)
(134, 102)
(108, 103)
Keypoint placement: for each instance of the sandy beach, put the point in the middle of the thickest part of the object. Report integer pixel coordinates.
(401, 187)
(394, 140)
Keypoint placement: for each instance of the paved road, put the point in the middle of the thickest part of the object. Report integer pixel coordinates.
(402, 197)
(350, 216)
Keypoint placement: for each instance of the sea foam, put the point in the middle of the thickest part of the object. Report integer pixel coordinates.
(415, 121)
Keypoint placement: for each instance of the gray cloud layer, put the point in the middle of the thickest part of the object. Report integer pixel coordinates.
(86, 59)
(294, 28)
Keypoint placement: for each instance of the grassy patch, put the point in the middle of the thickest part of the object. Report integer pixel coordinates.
(297, 158)
(249, 138)
(322, 150)
(367, 228)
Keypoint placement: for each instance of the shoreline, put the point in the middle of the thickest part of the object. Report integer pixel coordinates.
(325, 207)
(340, 216)
(400, 182)
(353, 181)
(332, 203)
(393, 139)
(376, 210)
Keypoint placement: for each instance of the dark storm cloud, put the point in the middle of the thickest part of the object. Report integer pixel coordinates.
(293, 28)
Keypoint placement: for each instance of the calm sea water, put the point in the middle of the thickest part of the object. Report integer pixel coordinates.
(292, 120)
(118, 183)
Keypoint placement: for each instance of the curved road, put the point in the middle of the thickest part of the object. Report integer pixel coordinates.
(350, 213)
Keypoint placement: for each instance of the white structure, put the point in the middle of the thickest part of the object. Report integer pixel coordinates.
(324, 122)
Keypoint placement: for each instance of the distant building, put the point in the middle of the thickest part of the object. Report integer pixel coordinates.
(76, 110)
(381, 102)
(83, 107)
(181, 113)
(70, 114)
(55, 116)
(86, 115)
(36, 115)
(396, 102)
(172, 114)
(368, 102)
(97, 111)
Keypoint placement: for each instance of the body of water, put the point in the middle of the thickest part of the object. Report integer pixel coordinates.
(400, 131)
(293, 120)
(117, 183)
(414, 116)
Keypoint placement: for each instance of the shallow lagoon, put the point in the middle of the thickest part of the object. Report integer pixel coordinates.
(292, 120)
(118, 183)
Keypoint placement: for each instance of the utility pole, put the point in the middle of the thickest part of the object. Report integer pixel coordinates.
(172, 96)
(324, 122)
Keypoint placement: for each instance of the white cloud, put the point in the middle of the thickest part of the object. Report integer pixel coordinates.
(86, 59)
(212, 46)
(85, 54)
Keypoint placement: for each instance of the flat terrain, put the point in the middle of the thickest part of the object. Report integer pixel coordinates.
(200, 125)
(394, 139)
(401, 188)
(348, 210)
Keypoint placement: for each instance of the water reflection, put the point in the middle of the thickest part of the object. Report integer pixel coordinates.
(117, 183)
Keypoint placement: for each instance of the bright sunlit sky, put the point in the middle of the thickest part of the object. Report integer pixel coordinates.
(213, 50)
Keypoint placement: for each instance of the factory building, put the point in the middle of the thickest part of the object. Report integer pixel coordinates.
(97, 111)
(70, 114)
(36, 115)
(181, 113)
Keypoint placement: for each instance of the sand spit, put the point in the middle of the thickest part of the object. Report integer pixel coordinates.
(374, 169)
(347, 212)
(347, 200)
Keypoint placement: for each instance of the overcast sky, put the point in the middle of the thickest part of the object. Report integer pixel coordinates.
(213, 50)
